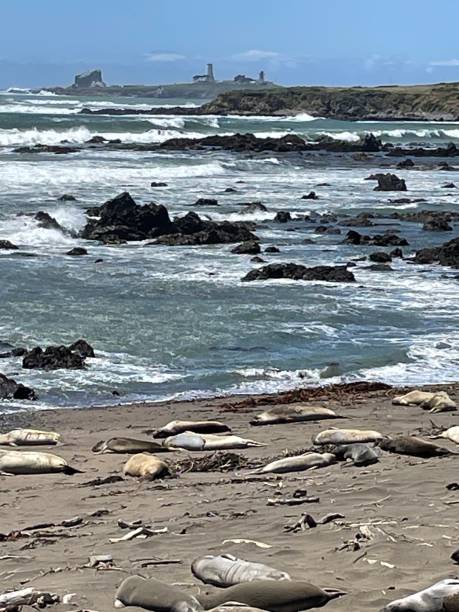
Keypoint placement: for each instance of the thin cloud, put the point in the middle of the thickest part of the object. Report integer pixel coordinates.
(449, 62)
(161, 56)
(256, 55)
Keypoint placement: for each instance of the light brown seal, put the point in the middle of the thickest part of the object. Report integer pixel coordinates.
(227, 570)
(413, 446)
(346, 436)
(293, 414)
(175, 427)
(152, 594)
(28, 462)
(29, 437)
(145, 466)
(428, 600)
(359, 454)
(199, 442)
(297, 463)
(129, 446)
(283, 596)
(435, 402)
(450, 434)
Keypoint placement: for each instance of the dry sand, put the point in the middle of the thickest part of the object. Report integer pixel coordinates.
(412, 517)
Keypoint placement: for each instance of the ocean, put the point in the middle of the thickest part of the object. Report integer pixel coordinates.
(176, 322)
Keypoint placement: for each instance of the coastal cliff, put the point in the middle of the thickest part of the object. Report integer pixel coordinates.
(438, 102)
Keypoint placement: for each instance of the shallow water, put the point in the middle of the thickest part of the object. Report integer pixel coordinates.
(176, 321)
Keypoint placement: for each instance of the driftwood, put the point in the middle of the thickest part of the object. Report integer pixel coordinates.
(308, 521)
(216, 462)
(26, 597)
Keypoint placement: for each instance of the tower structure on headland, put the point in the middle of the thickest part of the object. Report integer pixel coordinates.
(210, 73)
(261, 76)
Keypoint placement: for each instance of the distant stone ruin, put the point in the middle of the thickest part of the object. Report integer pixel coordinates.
(86, 80)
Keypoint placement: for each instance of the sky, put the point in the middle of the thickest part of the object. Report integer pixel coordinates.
(296, 42)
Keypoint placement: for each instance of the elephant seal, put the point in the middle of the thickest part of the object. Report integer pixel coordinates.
(455, 556)
(129, 446)
(346, 436)
(415, 447)
(199, 442)
(226, 570)
(284, 596)
(293, 414)
(145, 466)
(152, 594)
(297, 464)
(28, 462)
(451, 434)
(359, 454)
(451, 603)
(428, 600)
(29, 437)
(176, 427)
(435, 402)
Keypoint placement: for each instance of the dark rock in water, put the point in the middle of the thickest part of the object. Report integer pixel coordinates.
(380, 267)
(56, 357)
(447, 254)
(380, 257)
(369, 144)
(448, 186)
(333, 274)
(253, 207)
(230, 190)
(396, 253)
(6, 245)
(445, 166)
(247, 248)
(353, 237)
(390, 182)
(10, 389)
(324, 229)
(158, 184)
(47, 222)
(99, 261)
(83, 348)
(41, 148)
(257, 259)
(437, 223)
(310, 196)
(450, 150)
(194, 231)
(388, 239)
(67, 197)
(406, 163)
(308, 241)
(406, 201)
(14, 352)
(77, 251)
(282, 217)
(238, 142)
(323, 185)
(97, 140)
(363, 219)
(206, 202)
(272, 249)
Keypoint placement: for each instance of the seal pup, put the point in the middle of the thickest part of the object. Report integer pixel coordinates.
(435, 402)
(227, 570)
(152, 594)
(413, 446)
(359, 454)
(29, 437)
(176, 427)
(283, 596)
(293, 414)
(129, 446)
(145, 466)
(193, 441)
(450, 434)
(298, 463)
(428, 600)
(29, 462)
(346, 436)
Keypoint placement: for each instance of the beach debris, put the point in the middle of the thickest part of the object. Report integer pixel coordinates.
(430, 599)
(27, 597)
(175, 427)
(156, 561)
(100, 561)
(199, 442)
(307, 521)
(29, 437)
(216, 462)
(293, 414)
(434, 402)
(245, 541)
(293, 501)
(97, 482)
(297, 464)
(142, 532)
(227, 570)
(364, 534)
(346, 436)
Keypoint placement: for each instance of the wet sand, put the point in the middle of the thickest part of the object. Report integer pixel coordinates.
(399, 517)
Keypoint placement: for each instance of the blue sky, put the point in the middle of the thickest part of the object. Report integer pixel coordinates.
(332, 42)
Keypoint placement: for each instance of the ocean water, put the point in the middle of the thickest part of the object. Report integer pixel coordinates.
(176, 322)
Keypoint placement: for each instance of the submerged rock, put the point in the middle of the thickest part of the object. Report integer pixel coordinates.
(333, 274)
(238, 142)
(57, 357)
(77, 251)
(251, 247)
(390, 182)
(206, 202)
(47, 222)
(282, 217)
(10, 389)
(380, 257)
(6, 245)
(310, 196)
(67, 197)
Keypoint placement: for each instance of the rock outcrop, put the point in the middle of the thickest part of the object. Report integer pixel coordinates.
(10, 389)
(86, 80)
(389, 182)
(6, 245)
(57, 357)
(447, 254)
(332, 274)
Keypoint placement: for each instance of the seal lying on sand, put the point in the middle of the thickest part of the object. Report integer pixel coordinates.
(346, 436)
(29, 437)
(284, 596)
(297, 464)
(415, 447)
(28, 462)
(360, 454)
(226, 570)
(450, 434)
(428, 600)
(435, 402)
(176, 427)
(293, 414)
(151, 594)
(193, 441)
(129, 446)
(145, 466)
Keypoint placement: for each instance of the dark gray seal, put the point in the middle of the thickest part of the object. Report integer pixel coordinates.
(129, 446)
(414, 447)
(151, 594)
(284, 596)
(360, 454)
(176, 427)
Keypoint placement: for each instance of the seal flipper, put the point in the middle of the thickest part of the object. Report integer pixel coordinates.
(99, 447)
(70, 471)
(333, 593)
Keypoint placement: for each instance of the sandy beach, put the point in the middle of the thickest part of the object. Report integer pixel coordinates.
(398, 531)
